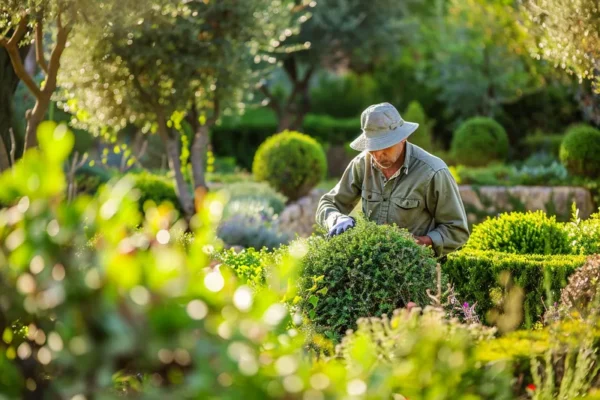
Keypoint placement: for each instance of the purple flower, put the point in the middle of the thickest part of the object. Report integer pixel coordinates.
(466, 305)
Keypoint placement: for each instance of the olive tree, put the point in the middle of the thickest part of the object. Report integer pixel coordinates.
(170, 61)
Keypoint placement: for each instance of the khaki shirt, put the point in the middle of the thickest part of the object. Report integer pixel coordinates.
(422, 197)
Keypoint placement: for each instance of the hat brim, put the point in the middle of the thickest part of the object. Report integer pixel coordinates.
(385, 140)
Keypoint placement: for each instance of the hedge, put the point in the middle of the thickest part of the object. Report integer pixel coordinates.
(475, 275)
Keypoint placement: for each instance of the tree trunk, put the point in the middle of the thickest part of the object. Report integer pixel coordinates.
(198, 155)
(285, 121)
(291, 115)
(8, 85)
(34, 119)
(173, 153)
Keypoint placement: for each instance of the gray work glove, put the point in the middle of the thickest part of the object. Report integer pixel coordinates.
(342, 224)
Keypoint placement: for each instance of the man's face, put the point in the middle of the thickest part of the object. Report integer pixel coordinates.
(386, 158)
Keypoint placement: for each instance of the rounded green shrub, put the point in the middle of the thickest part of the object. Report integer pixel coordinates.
(521, 233)
(367, 271)
(580, 149)
(157, 189)
(479, 141)
(291, 162)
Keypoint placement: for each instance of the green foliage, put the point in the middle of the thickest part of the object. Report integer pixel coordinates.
(156, 189)
(252, 230)
(397, 348)
(558, 361)
(567, 34)
(248, 264)
(89, 178)
(553, 174)
(334, 131)
(291, 162)
(584, 235)
(367, 271)
(240, 137)
(423, 136)
(521, 233)
(135, 309)
(343, 96)
(474, 55)
(479, 141)
(478, 276)
(579, 151)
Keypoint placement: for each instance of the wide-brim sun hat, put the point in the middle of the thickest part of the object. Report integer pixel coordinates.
(382, 127)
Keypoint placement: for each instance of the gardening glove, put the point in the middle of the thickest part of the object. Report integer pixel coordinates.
(342, 224)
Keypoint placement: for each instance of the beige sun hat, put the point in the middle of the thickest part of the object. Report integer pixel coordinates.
(382, 127)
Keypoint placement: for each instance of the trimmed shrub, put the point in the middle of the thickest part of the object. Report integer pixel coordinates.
(291, 162)
(476, 273)
(157, 189)
(251, 231)
(479, 141)
(423, 136)
(399, 348)
(367, 271)
(579, 151)
(521, 233)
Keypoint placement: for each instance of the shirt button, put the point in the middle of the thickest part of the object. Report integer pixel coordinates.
(370, 196)
(384, 199)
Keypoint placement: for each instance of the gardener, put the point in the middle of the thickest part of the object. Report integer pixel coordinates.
(398, 182)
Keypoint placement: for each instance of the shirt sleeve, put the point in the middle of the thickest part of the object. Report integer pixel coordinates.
(444, 202)
(342, 199)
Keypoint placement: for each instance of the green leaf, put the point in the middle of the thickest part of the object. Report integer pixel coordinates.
(55, 140)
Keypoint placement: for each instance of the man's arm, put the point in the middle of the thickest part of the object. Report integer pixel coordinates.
(444, 202)
(342, 199)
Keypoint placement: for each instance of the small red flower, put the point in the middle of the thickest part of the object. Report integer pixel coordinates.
(531, 387)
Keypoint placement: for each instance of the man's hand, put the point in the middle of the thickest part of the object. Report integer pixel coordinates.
(423, 240)
(342, 224)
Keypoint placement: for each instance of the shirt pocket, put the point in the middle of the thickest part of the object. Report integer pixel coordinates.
(371, 201)
(406, 212)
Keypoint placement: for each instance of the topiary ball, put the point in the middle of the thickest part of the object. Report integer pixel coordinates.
(479, 141)
(157, 189)
(521, 233)
(367, 271)
(579, 151)
(291, 162)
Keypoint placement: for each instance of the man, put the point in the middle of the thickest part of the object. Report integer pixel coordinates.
(399, 183)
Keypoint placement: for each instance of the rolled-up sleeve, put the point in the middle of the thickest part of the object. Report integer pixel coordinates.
(444, 202)
(342, 199)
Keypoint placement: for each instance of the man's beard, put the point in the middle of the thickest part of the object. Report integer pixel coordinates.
(385, 164)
